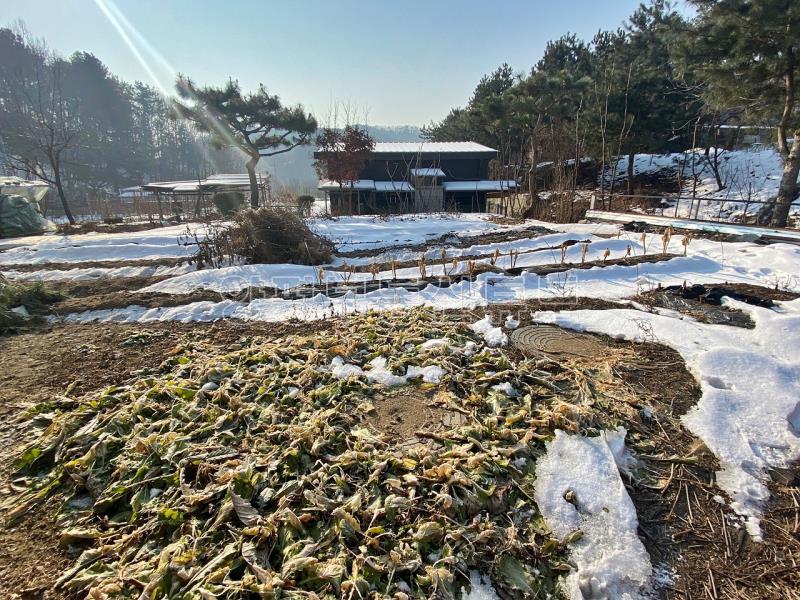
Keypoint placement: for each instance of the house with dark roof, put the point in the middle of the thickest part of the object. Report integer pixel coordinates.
(418, 177)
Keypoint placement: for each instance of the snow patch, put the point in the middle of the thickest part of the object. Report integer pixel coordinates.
(479, 589)
(493, 336)
(379, 372)
(750, 382)
(578, 487)
(506, 388)
(343, 370)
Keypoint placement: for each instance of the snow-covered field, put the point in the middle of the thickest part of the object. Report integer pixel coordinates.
(748, 416)
(146, 245)
(749, 177)
(705, 260)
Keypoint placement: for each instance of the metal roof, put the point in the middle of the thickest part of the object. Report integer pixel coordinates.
(430, 172)
(484, 185)
(431, 148)
(229, 181)
(367, 185)
(359, 184)
(12, 180)
(393, 186)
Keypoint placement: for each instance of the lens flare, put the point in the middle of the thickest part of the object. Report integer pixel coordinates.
(162, 74)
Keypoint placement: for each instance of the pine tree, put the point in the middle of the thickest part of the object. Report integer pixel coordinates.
(655, 107)
(258, 124)
(482, 119)
(746, 54)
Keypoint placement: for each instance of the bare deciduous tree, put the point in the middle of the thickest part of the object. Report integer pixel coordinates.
(36, 117)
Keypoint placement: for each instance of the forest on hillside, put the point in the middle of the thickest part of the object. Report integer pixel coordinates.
(660, 83)
(73, 123)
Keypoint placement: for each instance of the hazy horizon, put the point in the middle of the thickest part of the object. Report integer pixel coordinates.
(401, 65)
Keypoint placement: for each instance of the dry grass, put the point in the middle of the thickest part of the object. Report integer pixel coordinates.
(264, 235)
(35, 297)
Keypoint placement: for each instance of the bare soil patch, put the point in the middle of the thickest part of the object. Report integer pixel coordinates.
(93, 264)
(704, 302)
(403, 414)
(122, 299)
(100, 227)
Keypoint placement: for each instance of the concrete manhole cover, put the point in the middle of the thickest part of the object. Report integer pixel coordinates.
(554, 340)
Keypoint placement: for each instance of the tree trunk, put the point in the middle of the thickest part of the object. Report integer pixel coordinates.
(715, 169)
(631, 159)
(788, 104)
(788, 187)
(251, 172)
(62, 196)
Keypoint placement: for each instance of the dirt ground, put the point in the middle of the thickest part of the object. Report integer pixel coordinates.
(401, 415)
(692, 539)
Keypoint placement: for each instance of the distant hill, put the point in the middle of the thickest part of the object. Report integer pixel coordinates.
(295, 169)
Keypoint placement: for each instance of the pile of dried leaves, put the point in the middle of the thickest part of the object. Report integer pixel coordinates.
(254, 474)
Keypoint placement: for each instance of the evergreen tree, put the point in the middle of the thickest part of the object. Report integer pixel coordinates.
(654, 106)
(746, 54)
(102, 115)
(482, 120)
(546, 105)
(258, 124)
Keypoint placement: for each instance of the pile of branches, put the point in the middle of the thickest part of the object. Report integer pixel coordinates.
(262, 236)
(255, 474)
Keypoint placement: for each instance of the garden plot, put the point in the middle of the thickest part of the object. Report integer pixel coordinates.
(370, 233)
(99, 273)
(462, 378)
(140, 246)
(262, 469)
(705, 261)
(543, 250)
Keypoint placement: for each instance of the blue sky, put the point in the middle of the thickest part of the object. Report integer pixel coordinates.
(403, 62)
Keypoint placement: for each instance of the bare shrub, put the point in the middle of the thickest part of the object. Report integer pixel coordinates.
(304, 204)
(263, 235)
(228, 203)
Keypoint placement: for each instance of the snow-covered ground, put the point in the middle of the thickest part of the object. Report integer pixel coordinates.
(749, 177)
(367, 233)
(579, 489)
(96, 273)
(532, 252)
(151, 244)
(706, 261)
(749, 413)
